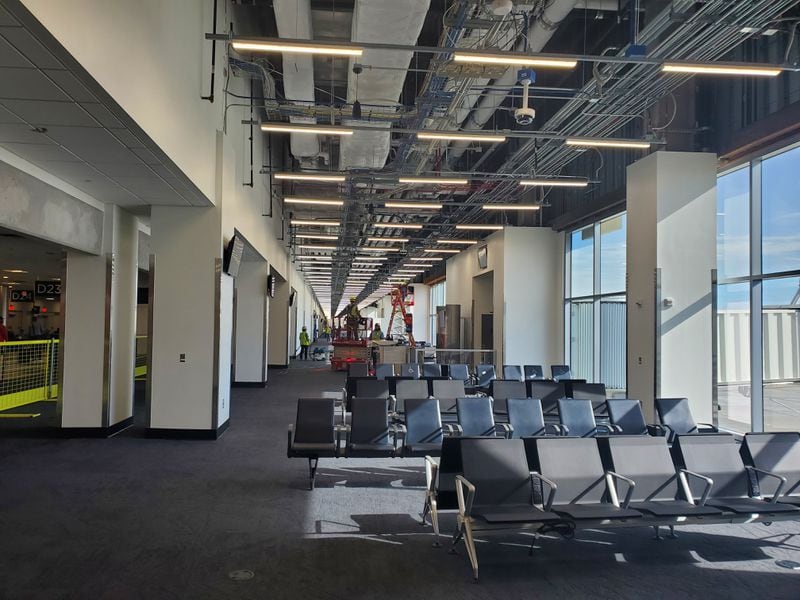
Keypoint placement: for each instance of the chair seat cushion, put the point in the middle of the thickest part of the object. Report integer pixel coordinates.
(513, 513)
(307, 449)
(595, 511)
(422, 449)
(793, 500)
(674, 508)
(370, 450)
(751, 505)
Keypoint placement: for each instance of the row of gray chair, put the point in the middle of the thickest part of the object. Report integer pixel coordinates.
(561, 484)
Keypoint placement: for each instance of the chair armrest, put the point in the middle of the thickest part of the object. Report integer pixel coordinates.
(339, 430)
(455, 428)
(505, 428)
(682, 473)
(431, 471)
(398, 432)
(611, 476)
(780, 478)
(551, 485)
(556, 428)
(707, 426)
(609, 429)
(656, 430)
(392, 403)
(564, 429)
(464, 504)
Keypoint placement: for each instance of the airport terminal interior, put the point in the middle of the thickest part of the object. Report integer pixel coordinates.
(376, 299)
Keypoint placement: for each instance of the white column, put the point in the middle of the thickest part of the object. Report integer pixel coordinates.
(189, 370)
(250, 358)
(278, 328)
(671, 250)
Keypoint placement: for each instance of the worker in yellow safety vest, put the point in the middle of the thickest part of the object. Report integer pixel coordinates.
(352, 317)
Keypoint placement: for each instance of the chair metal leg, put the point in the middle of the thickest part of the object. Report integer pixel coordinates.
(435, 523)
(657, 536)
(672, 535)
(469, 542)
(533, 544)
(312, 472)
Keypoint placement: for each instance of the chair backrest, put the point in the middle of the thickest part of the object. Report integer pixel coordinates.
(596, 392)
(627, 414)
(449, 467)
(498, 469)
(485, 374)
(775, 452)
(577, 416)
(447, 392)
(549, 392)
(533, 372)
(475, 416)
(575, 465)
(314, 421)
(460, 372)
(369, 423)
(372, 388)
(525, 416)
(410, 370)
(393, 381)
(423, 421)
(676, 414)
(351, 385)
(358, 369)
(715, 456)
(384, 370)
(503, 389)
(560, 372)
(408, 389)
(647, 461)
(512, 372)
(431, 370)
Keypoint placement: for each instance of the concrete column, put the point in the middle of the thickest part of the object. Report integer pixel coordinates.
(98, 342)
(671, 250)
(250, 356)
(188, 388)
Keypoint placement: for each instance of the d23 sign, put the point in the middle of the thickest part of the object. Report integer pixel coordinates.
(21, 296)
(48, 289)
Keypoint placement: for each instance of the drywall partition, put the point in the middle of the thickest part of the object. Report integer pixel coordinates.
(671, 253)
(421, 313)
(251, 323)
(278, 333)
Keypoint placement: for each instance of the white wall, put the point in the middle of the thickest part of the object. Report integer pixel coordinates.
(420, 310)
(251, 289)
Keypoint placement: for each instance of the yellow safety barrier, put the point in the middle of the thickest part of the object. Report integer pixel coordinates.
(28, 372)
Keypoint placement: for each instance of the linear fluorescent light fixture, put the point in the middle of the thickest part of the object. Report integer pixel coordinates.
(388, 239)
(456, 242)
(578, 183)
(413, 205)
(397, 225)
(386, 249)
(516, 59)
(310, 177)
(425, 258)
(476, 227)
(316, 201)
(370, 258)
(426, 265)
(434, 180)
(314, 223)
(462, 137)
(303, 47)
(588, 142)
(747, 70)
(511, 207)
(315, 247)
(311, 236)
(440, 251)
(299, 128)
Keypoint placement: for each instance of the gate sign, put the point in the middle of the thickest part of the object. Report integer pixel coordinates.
(21, 296)
(48, 289)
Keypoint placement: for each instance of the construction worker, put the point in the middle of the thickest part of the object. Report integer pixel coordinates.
(377, 334)
(305, 342)
(352, 317)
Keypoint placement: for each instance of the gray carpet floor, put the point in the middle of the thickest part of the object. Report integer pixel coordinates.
(131, 517)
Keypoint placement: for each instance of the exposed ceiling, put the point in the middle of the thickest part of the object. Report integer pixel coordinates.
(54, 115)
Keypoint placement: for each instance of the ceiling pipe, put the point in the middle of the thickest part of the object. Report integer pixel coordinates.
(538, 35)
(293, 18)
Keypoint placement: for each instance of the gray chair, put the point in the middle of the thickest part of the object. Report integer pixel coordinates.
(512, 372)
(410, 370)
(549, 392)
(772, 456)
(577, 419)
(676, 417)
(596, 392)
(495, 492)
(533, 372)
(527, 420)
(372, 388)
(431, 370)
(447, 392)
(476, 418)
(459, 372)
(384, 370)
(369, 434)
(718, 477)
(358, 369)
(313, 434)
(627, 414)
(484, 374)
(572, 471)
(503, 389)
(423, 430)
(559, 372)
(408, 389)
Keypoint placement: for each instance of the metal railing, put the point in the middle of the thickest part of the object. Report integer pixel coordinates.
(28, 372)
(464, 356)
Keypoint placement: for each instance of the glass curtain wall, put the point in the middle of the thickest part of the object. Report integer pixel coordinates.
(758, 273)
(595, 302)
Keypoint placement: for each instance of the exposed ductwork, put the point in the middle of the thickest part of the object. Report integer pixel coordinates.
(539, 34)
(379, 21)
(293, 18)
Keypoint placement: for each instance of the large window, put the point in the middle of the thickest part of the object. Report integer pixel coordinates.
(758, 295)
(595, 302)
